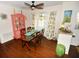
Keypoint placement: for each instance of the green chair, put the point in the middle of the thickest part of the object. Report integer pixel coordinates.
(60, 50)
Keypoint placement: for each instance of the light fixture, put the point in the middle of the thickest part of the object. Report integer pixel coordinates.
(33, 8)
(43, 14)
(62, 25)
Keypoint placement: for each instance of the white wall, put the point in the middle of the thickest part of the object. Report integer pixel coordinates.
(6, 24)
(60, 16)
(74, 6)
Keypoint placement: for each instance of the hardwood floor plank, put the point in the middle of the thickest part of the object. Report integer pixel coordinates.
(13, 49)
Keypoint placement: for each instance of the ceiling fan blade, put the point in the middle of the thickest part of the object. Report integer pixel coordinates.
(41, 4)
(27, 4)
(39, 7)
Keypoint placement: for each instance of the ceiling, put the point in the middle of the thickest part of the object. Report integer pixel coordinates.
(22, 5)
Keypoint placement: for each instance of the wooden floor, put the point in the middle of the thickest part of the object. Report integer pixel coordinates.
(46, 49)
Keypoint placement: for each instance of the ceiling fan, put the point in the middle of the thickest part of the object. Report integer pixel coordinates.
(33, 6)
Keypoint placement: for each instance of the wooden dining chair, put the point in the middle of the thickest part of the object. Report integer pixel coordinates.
(25, 41)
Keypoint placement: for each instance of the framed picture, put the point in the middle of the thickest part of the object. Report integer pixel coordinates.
(67, 16)
(3, 16)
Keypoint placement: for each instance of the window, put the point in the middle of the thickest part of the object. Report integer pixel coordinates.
(39, 22)
(77, 25)
(78, 18)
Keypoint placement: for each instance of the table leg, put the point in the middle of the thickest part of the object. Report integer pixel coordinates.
(28, 46)
(23, 43)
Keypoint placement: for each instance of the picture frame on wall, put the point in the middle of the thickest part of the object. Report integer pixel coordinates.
(3, 16)
(67, 16)
(66, 26)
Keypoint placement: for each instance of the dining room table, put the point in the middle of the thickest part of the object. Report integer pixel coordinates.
(31, 37)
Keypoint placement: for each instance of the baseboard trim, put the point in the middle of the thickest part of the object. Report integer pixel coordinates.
(6, 41)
